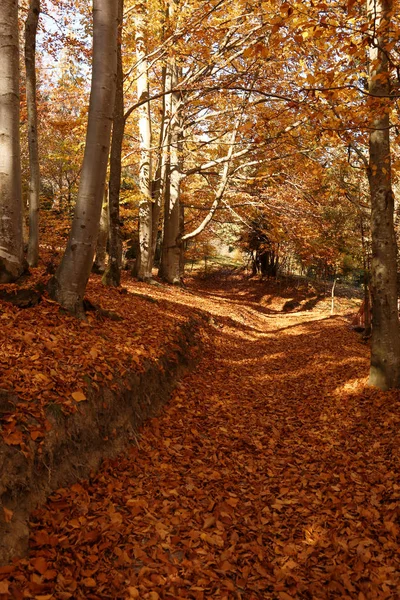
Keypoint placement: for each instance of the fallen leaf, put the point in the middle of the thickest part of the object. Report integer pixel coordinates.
(40, 564)
(8, 514)
(4, 587)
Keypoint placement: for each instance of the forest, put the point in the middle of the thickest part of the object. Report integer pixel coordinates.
(200, 341)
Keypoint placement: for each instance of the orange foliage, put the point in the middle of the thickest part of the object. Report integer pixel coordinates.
(271, 474)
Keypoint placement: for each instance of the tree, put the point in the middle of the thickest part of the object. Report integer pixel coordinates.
(99, 265)
(112, 276)
(145, 258)
(69, 284)
(31, 25)
(11, 214)
(171, 263)
(385, 343)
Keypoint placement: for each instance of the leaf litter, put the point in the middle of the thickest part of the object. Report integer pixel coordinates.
(48, 358)
(273, 473)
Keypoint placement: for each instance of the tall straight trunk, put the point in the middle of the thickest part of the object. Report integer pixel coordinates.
(385, 342)
(12, 262)
(171, 250)
(99, 265)
(145, 166)
(158, 183)
(112, 276)
(31, 25)
(69, 284)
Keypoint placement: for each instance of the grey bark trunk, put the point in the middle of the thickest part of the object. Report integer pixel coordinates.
(385, 341)
(112, 276)
(34, 175)
(69, 284)
(145, 167)
(100, 262)
(12, 262)
(171, 263)
(158, 182)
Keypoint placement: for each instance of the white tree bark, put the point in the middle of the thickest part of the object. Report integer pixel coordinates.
(69, 283)
(158, 183)
(100, 262)
(145, 166)
(34, 175)
(12, 262)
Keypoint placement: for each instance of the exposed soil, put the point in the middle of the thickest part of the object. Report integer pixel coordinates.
(272, 473)
(53, 438)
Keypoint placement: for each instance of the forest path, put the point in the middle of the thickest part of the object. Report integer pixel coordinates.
(272, 473)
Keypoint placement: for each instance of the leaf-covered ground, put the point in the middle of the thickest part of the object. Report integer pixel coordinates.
(47, 357)
(273, 473)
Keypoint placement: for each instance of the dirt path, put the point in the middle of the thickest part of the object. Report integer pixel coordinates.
(273, 473)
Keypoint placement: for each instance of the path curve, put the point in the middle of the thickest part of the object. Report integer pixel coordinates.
(273, 473)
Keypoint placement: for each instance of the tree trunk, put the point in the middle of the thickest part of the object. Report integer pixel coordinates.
(12, 262)
(99, 265)
(171, 249)
(145, 167)
(158, 183)
(69, 284)
(112, 276)
(385, 342)
(34, 176)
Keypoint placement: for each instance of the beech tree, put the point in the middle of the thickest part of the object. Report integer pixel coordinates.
(99, 265)
(11, 241)
(112, 276)
(171, 265)
(145, 258)
(385, 345)
(31, 25)
(69, 284)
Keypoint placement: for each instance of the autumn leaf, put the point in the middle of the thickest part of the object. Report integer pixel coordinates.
(285, 596)
(4, 587)
(14, 439)
(89, 582)
(8, 514)
(233, 501)
(78, 396)
(40, 564)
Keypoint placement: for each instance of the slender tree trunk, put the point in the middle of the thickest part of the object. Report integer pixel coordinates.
(367, 294)
(112, 276)
(385, 342)
(69, 284)
(99, 265)
(12, 262)
(158, 183)
(34, 180)
(145, 166)
(171, 249)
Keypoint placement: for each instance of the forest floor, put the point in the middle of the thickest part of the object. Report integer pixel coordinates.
(273, 472)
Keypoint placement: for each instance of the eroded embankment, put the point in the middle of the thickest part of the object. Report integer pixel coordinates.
(74, 445)
(270, 474)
